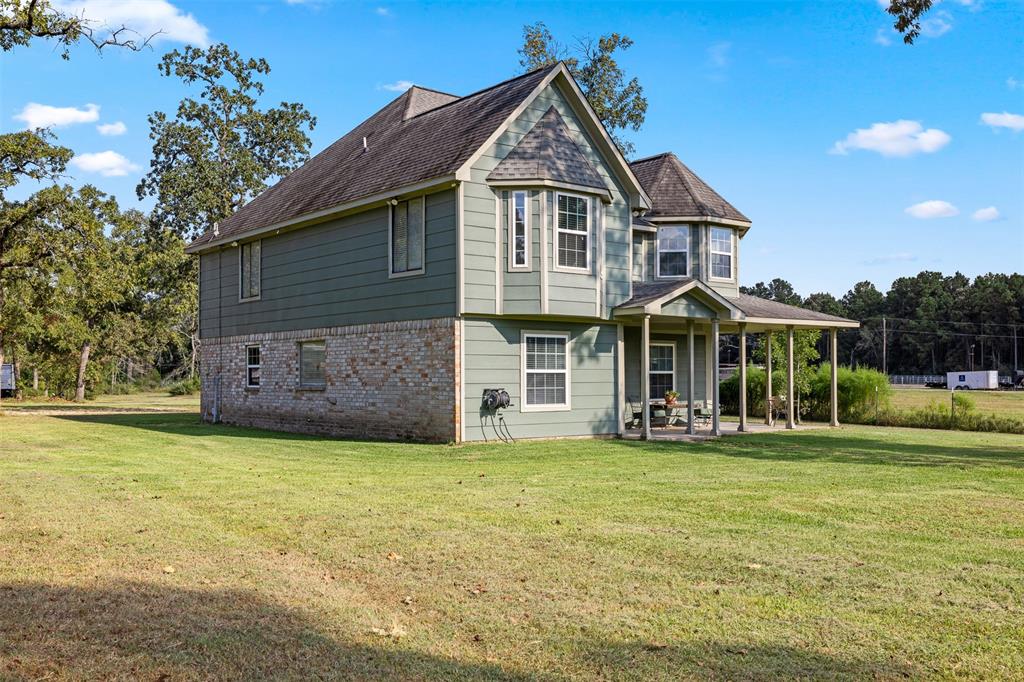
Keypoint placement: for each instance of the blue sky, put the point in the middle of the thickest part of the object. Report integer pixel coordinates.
(855, 156)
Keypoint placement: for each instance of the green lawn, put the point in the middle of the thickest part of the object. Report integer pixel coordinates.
(150, 545)
(1003, 403)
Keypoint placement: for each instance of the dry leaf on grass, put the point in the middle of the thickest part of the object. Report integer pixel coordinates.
(168, 569)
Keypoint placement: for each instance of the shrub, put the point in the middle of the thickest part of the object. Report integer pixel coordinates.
(862, 393)
(184, 387)
(937, 416)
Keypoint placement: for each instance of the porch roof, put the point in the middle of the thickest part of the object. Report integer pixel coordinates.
(652, 297)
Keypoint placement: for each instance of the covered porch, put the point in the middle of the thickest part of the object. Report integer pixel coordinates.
(670, 337)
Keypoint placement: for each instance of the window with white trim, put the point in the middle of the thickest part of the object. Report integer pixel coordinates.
(721, 252)
(408, 226)
(252, 366)
(662, 369)
(312, 363)
(546, 373)
(249, 270)
(674, 251)
(573, 229)
(520, 230)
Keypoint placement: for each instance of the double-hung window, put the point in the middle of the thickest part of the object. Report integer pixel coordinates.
(519, 225)
(662, 369)
(408, 228)
(721, 253)
(312, 360)
(573, 230)
(545, 371)
(252, 366)
(673, 251)
(249, 270)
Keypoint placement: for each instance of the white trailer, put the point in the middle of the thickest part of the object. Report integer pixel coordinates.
(984, 380)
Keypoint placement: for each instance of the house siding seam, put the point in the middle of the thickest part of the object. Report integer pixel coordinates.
(386, 381)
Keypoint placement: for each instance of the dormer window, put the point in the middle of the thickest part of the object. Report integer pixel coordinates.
(721, 253)
(673, 251)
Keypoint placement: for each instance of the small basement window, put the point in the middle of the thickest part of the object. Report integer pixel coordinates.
(312, 358)
(721, 253)
(249, 270)
(407, 233)
(252, 366)
(545, 371)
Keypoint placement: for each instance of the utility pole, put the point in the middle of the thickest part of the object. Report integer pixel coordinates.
(1015, 351)
(885, 350)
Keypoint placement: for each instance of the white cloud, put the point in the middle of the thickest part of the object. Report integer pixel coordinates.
(45, 116)
(145, 17)
(986, 215)
(397, 86)
(107, 164)
(718, 55)
(938, 24)
(927, 210)
(1014, 122)
(383, 12)
(902, 257)
(111, 129)
(898, 138)
(1013, 83)
(882, 37)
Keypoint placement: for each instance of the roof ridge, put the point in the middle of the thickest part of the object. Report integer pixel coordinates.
(487, 89)
(652, 157)
(440, 92)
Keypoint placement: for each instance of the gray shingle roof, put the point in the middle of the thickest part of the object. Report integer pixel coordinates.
(548, 152)
(675, 190)
(752, 306)
(421, 135)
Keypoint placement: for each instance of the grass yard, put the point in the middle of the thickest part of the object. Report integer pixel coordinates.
(1003, 403)
(151, 546)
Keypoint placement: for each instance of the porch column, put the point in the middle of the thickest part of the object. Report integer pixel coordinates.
(790, 383)
(768, 378)
(689, 376)
(833, 343)
(645, 376)
(715, 425)
(743, 377)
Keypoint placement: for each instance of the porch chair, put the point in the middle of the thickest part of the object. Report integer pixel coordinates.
(636, 410)
(701, 413)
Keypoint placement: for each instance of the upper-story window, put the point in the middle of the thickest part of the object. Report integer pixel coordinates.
(520, 231)
(573, 229)
(249, 270)
(721, 253)
(408, 227)
(673, 251)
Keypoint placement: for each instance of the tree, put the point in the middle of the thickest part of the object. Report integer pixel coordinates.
(220, 150)
(908, 15)
(619, 104)
(21, 21)
(777, 290)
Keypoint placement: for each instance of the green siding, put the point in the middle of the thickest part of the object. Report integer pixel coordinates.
(632, 337)
(492, 349)
(333, 274)
(573, 294)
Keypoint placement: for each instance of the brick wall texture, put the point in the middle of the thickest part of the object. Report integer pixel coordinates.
(387, 381)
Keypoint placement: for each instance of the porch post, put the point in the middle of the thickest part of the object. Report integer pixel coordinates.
(743, 377)
(833, 343)
(768, 378)
(645, 376)
(715, 425)
(790, 383)
(689, 376)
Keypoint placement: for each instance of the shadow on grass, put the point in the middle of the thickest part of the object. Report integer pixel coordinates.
(861, 448)
(182, 424)
(136, 630)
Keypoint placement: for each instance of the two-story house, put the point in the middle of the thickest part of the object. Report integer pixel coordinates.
(451, 245)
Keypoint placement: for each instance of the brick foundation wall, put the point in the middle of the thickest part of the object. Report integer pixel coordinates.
(387, 381)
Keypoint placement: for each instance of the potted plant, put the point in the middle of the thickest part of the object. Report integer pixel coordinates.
(671, 397)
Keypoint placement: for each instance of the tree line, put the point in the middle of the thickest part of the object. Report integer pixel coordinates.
(929, 323)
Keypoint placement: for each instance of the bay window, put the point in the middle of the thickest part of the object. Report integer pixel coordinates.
(721, 253)
(573, 229)
(673, 251)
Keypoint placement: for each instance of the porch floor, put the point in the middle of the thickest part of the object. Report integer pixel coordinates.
(728, 428)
